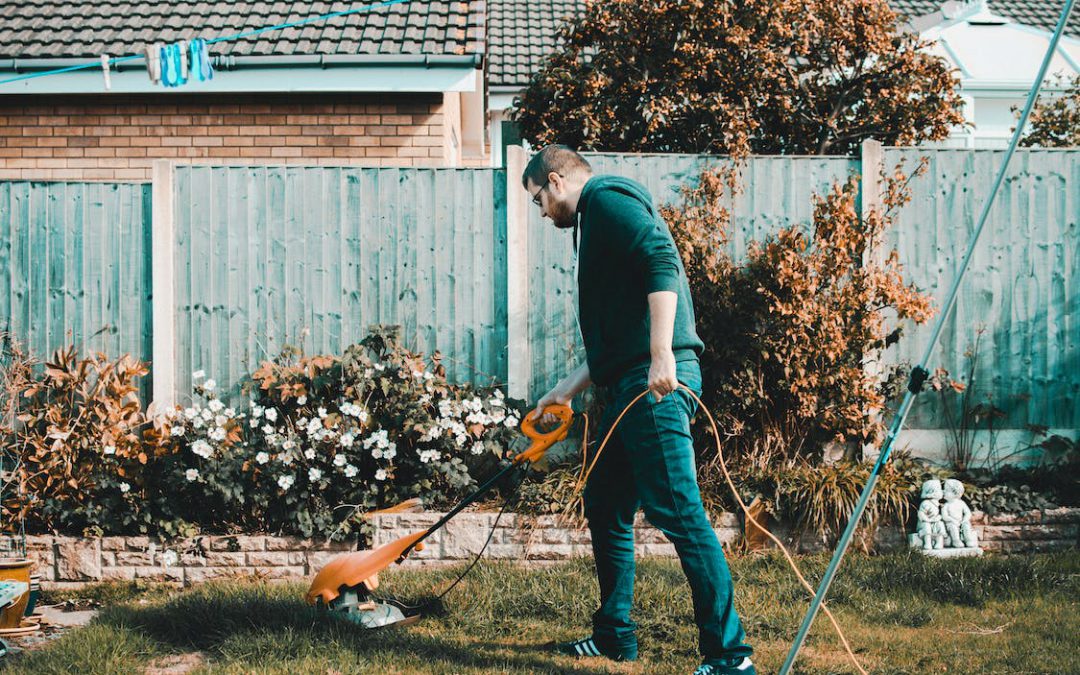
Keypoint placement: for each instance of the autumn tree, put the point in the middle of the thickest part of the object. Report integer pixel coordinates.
(1055, 124)
(737, 76)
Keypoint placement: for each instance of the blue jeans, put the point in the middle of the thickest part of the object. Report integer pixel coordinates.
(649, 463)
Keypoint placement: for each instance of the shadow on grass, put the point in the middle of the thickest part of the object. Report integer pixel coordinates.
(230, 621)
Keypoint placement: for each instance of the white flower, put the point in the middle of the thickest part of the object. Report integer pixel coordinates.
(350, 471)
(267, 429)
(197, 423)
(425, 399)
(168, 558)
(428, 376)
(314, 426)
(301, 400)
(309, 453)
(287, 458)
(322, 412)
(124, 487)
(340, 460)
(511, 422)
(191, 413)
(202, 448)
(288, 445)
(209, 385)
(417, 374)
(498, 394)
(347, 440)
(191, 474)
(109, 450)
(390, 452)
(271, 414)
(262, 458)
(368, 372)
(376, 453)
(285, 482)
(171, 413)
(461, 440)
(477, 448)
(221, 420)
(229, 412)
(206, 415)
(428, 455)
(362, 416)
(380, 474)
(314, 474)
(216, 405)
(380, 367)
(429, 434)
(217, 434)
(177, 431)
(198, 375)
(256, 411)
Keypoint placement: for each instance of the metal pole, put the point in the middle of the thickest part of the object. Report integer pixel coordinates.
(919, 373)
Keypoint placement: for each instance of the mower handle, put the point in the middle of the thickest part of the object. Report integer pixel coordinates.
(543, 441)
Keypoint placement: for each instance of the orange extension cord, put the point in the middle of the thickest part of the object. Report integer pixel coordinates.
(584, 476)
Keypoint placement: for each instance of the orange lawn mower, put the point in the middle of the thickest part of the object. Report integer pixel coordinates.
(346, 586)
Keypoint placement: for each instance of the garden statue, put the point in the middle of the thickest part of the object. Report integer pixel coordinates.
(957, 517)
(930, 533)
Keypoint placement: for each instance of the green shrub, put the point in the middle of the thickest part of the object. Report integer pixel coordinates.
(326, 438)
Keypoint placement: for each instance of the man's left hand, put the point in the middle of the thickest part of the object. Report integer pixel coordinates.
(662, 378)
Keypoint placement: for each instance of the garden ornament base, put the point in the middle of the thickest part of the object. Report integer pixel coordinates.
(345, 586)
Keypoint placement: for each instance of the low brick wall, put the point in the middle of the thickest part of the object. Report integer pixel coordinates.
(73, 561)
(70, 561)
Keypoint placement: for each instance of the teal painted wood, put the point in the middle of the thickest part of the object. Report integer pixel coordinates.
(75, 266)
(314, 256)
(1022, 286)
(777, 193)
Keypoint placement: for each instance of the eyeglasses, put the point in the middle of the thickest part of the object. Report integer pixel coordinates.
(536, 197)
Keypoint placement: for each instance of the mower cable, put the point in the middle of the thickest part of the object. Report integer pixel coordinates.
(584, 476)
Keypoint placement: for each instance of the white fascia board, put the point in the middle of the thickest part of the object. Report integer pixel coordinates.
(501, 98)
(1007, 88)
(362, 78)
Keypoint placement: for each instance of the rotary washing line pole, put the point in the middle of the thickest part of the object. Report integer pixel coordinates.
(919, 372)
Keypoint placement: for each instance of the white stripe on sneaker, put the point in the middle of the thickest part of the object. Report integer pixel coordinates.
(746, 663)
(593, 648)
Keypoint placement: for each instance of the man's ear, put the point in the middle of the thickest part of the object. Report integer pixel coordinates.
(557, 181)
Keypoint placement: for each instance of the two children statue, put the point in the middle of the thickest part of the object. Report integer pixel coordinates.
(944, 526)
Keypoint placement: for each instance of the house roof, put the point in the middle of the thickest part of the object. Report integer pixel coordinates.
(522, 32)
(1042, 14)
(50, 29)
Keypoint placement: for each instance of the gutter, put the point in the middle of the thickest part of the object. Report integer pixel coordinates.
(237, 62)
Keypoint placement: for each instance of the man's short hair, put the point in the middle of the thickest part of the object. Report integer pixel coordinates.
(561, 159)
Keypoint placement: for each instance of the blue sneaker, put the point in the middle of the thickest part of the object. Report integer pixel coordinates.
(736, 666)
(588, 647)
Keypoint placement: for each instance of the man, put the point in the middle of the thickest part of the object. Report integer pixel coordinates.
(637, 322)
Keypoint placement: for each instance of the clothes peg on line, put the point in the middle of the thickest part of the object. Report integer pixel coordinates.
(105, 59)
(152, 54)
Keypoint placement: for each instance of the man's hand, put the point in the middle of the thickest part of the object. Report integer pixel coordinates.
(553, 397)
(662, 377)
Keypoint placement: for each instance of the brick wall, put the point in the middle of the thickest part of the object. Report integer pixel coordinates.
(118, 137)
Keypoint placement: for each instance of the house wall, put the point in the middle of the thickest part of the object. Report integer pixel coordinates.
(118, 137)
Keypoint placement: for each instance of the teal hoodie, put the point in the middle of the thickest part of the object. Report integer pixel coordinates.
(626, 253)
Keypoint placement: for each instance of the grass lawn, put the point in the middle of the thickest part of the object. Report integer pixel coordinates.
(902, 613)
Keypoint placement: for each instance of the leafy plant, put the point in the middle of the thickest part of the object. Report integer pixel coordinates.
(77, 434)
(1055, 124)
(790, 329)
(327, 438)
(725, 77)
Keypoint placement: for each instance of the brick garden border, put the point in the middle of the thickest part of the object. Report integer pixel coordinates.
(73, 561)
